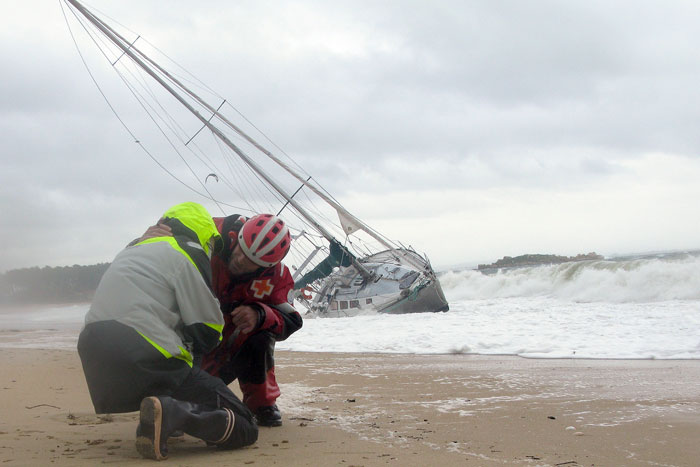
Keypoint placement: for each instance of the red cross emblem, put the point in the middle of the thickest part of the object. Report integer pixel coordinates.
(261, 288)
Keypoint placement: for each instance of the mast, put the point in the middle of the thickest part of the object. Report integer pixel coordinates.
(342, 212)
(129, 49)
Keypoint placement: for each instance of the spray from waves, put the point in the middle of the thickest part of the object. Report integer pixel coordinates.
(615, 281)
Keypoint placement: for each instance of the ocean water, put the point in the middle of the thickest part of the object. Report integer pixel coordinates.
(639, 308)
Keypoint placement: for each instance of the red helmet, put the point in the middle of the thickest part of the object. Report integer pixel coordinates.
(264, 239)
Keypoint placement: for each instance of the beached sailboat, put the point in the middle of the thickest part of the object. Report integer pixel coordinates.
(342, 266)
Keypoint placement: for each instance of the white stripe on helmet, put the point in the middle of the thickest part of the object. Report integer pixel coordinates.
(252, 252)
(275, 241)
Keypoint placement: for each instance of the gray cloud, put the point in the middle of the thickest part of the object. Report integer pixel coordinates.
(407, 96)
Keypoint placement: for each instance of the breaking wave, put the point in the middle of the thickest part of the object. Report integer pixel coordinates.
(651, 279)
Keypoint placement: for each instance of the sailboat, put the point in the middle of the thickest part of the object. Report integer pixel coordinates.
(341, 266)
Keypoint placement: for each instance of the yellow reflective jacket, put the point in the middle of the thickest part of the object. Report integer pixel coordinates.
(161, 287)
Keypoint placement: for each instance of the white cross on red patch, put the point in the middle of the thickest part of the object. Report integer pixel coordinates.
(261, 287)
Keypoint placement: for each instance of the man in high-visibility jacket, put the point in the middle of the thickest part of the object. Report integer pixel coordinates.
(153, 317)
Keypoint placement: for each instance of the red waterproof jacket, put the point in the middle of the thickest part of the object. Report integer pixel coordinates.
(269, 290)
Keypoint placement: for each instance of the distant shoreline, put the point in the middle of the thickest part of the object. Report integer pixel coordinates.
(536, 260)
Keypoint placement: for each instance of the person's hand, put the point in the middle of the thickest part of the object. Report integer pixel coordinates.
(245, 317)
(158, 230)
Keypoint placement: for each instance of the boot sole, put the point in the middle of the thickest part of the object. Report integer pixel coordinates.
(269, 423)
(149, 433)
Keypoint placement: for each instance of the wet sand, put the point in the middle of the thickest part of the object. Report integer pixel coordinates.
(371, 410)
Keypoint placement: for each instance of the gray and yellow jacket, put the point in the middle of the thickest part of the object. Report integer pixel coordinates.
(161, 287)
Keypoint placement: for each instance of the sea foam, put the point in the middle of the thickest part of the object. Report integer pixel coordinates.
(614, 281)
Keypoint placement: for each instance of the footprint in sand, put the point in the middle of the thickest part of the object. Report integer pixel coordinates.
(77, 418)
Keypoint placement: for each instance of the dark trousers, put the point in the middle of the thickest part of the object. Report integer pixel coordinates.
(121, 368)
(250, 359)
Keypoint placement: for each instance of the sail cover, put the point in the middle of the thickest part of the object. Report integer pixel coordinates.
(338, 256)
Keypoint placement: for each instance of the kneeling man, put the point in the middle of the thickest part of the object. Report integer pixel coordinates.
(152, 319)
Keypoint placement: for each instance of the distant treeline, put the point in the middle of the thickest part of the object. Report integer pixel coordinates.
(50, 285)
(536, 260)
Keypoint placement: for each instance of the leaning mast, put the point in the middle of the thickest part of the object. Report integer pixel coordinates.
(128, 49)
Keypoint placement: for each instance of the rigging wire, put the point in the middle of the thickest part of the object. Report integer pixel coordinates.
(164, 116)
(151, 115)
(109, 104)
(136, 140)
(237, 180)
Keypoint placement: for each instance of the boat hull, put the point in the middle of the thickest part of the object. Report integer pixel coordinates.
(430, 299)
(397, 286)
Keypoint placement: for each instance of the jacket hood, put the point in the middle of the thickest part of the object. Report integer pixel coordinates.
(196, 218)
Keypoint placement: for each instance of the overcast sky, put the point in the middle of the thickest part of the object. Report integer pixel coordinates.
(469, 129)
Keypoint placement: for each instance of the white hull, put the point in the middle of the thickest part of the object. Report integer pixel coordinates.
(398, 286)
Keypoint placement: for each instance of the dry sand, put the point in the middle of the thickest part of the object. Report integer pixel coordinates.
(368, 409)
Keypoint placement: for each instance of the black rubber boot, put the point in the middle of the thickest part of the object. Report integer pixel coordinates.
(268, 416)
(162, 416)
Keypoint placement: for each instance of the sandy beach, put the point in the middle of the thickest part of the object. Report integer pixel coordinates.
(384, 409)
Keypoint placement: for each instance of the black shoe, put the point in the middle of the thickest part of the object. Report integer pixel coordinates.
(268, 416)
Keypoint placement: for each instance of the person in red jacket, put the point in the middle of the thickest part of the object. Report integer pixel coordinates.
(255, 291)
